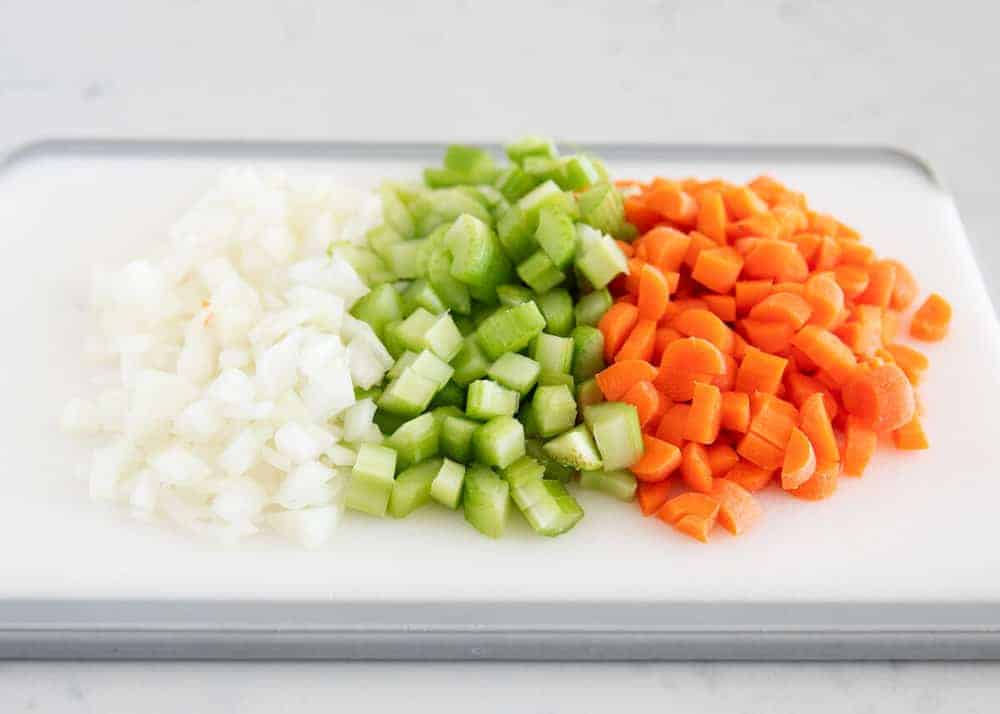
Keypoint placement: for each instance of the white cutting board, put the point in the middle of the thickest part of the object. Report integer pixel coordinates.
(919, 527)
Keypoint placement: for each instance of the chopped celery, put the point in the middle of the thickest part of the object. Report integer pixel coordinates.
(578, 173)
(413, 329)
(557, 309)
(514, 182)
(438, 333)
(527, 146)
(442, 413)
(450, 395)
(416, 440)
(515, 371)
(553, 469)
(446, 488)
(387, 422)
(598, 258)
(588, 393)
(456, 437)
(412, 488)
(430, 366)
(615, 426)
(421, 294)
(545, 168)
(380, 238)
(408, 259)
(553, 353)
(395, 213)
(591, 307)
(510, 329)
(487, 399)
(548, 195)
(443, 177)
(547, 506)
(575, 448)
(365, 262)
(588, 352)
(391, 338)
(477, 257)
(554, 410)
(473, 162)
(513, 294)
(621, 483)
(453, 292)
(485, 500)
(471, 362)
(556, 236)
(523, 470)
(554, 379)
(481, 312)
(408, 394)
(465, 324)
(516, 231)
(379, 307)
(539, 272)
(436, 241)
(371, 481)
(404, 361)
(526, 415)
(602, 207)
(499, 442)
(445, 205)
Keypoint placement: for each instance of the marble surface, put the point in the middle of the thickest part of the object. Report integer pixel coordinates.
(890, 72)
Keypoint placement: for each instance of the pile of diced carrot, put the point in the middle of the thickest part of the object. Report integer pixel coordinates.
(757, 340)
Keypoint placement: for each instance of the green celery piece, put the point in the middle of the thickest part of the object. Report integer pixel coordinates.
(443, 338)
(555, 379)
(450, 395)
(547, 506)
(557, 309)
(556, 235)
(588, 393)
(524, 147)
(454, 294)
(412, 488)
(602, 207)
(430, 366)
(371, 482)
(436, 240)
(510, 329)
(598, 258)
(514, 183)
(456, 437)
(472, 161)
(446, 488)
(515, 371)
(416, 440)
(553, 353)
(408, 259)
(395, 213)
(387, 422)
(372, 393)
(465, 324)
(442, 413)
(620, 483)
(523, 470)
(413, 329)
(409, 394)
(554, 410)
(575, 448)
(391, 338)
(578, 173)
(546, 169)
(482, 311)
(548, 195)
(379, 307)
(400, 365)
(366, 263)
(615, 426)
(526, 415)
(499, 442)
(477, 257)
(486, 399)
(380, 238)
(553, 469)
(516, 232)
(588, 352)
(471, 362)
(540, 273)
(419, 293)
(591, 307)
(485, 500)
(447, 204)
(444, 178)
(513, 294)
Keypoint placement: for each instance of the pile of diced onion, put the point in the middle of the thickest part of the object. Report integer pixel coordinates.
(236, 363)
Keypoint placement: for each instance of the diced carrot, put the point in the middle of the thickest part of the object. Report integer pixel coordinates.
(768, 336)
(769, 189)
(817, 425)
(615, 325)
(881, 398)
(639, 214)
(825, 297)
(651, 495)
(646, 400)
(762, 225)
(726, 380)
(822, 223)
(695, 469)
(826, 350)
(736, 411)
(698, 527)
(706, 325)
(722, 306)
(699, 242)
(911, 436)
(639, 344)
(808, 244)
(721, 458)
(673, 203)
(930, 322)
(738, 509)
(760, 452)
(685, 361)
(705, 417)
(659, 459)
(800, 387)
(673, 423)
(741, 202)
(750, 292)
(863, 333)
(776, 259)
(664, 336)
(626, 248)
(712, 216)
(854, 253)
(782, 307)
(654, 293)
(692, 503)
(852, 279)
(772, 418)
(634, 275)
(913, 362)
(750, 476)
(759, 372)
(859, 446)
(905, 289)
(800, 461)
(666, 248)
(827, 255)
(881, 283)
(615, 380)
(890, 325)
(718, 268)
(821, 485)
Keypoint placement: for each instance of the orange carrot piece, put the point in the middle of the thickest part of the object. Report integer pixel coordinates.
(615, 380)
(698, 527)
(905, 289)
(769, 189)
(800, 461)
(930, 322)
(673, 203)
(741, 202)
(759, 372)
(664, 336)
(760, 452)
(666, 248)
(705, 417)
(782, 307)
(750, 292)
(854, 253)
(736, 411)
(712, 216)
(821, 485)
(639, 344)
(685, 361)
(706, 325)
(750, 476)
(772, 418)
(726, 381)
(863, 334)
(825, 297)
(827, 254)
(659, 459)
(822, 223)
(799, 387)
(654, 293)
(691, 503)
(816, 424)
(652, 495)
(826, 350)
(911, 436)
(673, 423)
(615, 325)
(646, 400)
(881, 283)
(768, 336)
(721, 458)
(738, 509)
(695, 468)
(633, 275)
(890, 325)
(699, 242)
(776, 259)
(913, 362)
(859, 446)
(717, 268)
(626, 248)
(722, 306)
(639, 214)
(807, 243)
(881, 398)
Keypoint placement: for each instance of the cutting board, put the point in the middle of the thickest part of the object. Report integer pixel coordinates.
(902, 562)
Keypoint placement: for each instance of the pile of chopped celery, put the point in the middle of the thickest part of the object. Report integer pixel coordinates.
(487, 283)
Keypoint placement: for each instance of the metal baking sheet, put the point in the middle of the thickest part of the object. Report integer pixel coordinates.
(899, 564)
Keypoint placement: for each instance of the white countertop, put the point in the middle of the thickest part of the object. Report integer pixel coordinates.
(885, 73)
